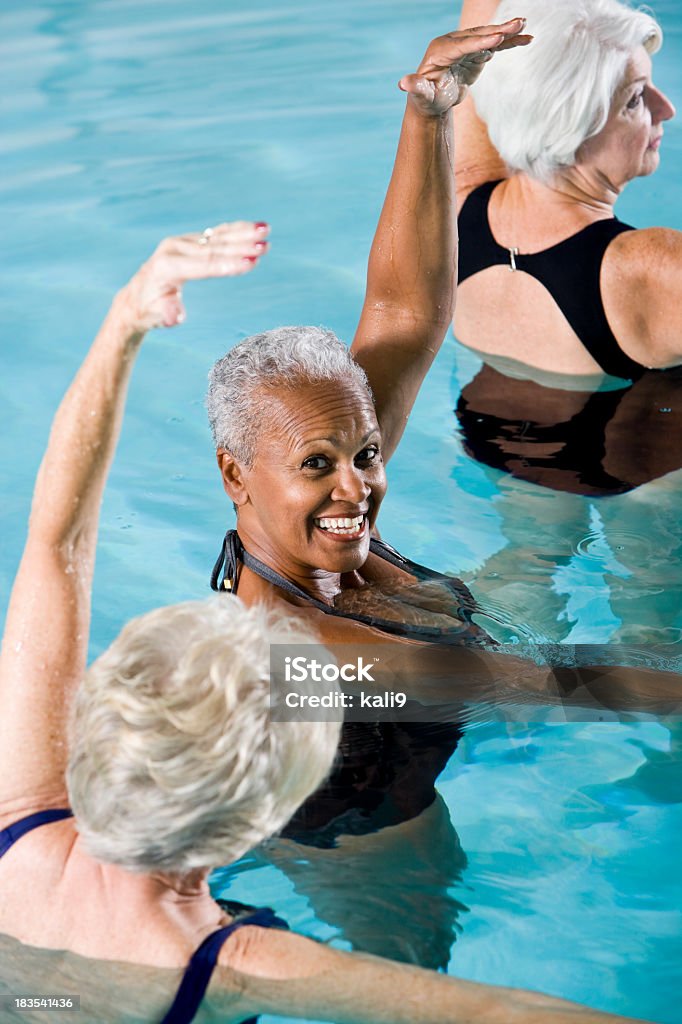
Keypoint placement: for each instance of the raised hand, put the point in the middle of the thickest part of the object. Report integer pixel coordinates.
(153, 296)
(454, 61)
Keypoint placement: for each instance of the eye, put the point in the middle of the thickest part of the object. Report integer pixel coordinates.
(635, 100)
(369, 454)
(316, 462)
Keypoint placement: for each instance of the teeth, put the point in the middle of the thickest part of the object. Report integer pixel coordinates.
(341, 525)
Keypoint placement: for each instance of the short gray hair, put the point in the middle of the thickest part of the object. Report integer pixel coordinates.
(174, 763)
(283, 358)
(541, 103)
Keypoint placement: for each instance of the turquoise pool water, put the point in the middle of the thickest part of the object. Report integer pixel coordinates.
(125, 121)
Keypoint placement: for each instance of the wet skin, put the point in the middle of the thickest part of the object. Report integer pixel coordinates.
(318, 459)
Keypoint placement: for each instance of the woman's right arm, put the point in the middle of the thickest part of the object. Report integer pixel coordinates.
(476, 159)
(284, 973)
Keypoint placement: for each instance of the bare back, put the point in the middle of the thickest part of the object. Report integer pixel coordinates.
(507, 312)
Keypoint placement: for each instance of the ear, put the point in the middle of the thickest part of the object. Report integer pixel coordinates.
(234, 477)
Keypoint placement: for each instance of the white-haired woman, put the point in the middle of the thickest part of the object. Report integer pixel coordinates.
(173, 765)
(548, 275)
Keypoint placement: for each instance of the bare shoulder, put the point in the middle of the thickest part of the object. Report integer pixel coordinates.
(645, 251)
(641, 283)
(36, 874)
(476, 159)
(468, 182)
(273, 953)
(378, 570)
(266, 969)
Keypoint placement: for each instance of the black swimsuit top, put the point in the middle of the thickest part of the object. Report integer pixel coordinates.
(463, 630)
(386, 771)
(569, 271)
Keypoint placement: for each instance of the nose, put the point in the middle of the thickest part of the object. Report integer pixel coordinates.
(350, 485)
(660, 106)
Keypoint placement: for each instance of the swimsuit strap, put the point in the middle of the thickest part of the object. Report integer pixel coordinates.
(570, 271)
(200, 968)
(9, 835)
(478, 248)
(389, 554)
(232, 553)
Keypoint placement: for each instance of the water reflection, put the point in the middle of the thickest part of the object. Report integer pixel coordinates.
(588, 501)
(594, 443)
(374, 850)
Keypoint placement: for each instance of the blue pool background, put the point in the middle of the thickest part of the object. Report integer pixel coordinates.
(127, 121)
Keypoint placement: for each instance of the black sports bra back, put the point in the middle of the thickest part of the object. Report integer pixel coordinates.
(569, 270)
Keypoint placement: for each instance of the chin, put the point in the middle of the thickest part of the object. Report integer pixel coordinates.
(650, 163)
(347, 561)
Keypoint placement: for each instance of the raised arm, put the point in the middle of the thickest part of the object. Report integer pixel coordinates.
(46, 634)
(411, 275)
(476, 159)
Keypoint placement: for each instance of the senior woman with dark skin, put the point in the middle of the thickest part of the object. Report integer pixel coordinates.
(173, 764)
(547, 147)
(302, 444)
(303, 431)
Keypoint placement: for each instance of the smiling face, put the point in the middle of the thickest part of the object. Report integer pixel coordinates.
(313, 492)
(627, 146)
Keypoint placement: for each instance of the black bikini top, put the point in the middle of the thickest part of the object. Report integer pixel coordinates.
(463, 630)
(568, 270)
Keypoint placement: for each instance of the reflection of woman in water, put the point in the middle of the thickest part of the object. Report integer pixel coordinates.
(579, 489)
(548, 275)
(594, 443)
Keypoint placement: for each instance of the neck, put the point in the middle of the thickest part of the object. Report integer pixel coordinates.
(189, 884)
(578, 187)
(182, 893)
(318, 583)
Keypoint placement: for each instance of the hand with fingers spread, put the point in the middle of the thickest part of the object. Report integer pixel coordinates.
(153, 296)
(454, 61)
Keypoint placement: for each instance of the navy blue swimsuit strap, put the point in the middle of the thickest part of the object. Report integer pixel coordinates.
(9, 835)
(200, 968)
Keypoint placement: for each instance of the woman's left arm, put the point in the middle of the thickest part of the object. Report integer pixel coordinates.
(411, 276)
(46, 634)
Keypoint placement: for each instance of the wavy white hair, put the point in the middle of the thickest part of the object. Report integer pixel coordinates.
(174, 762)
(275, 360)
(541, 102)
